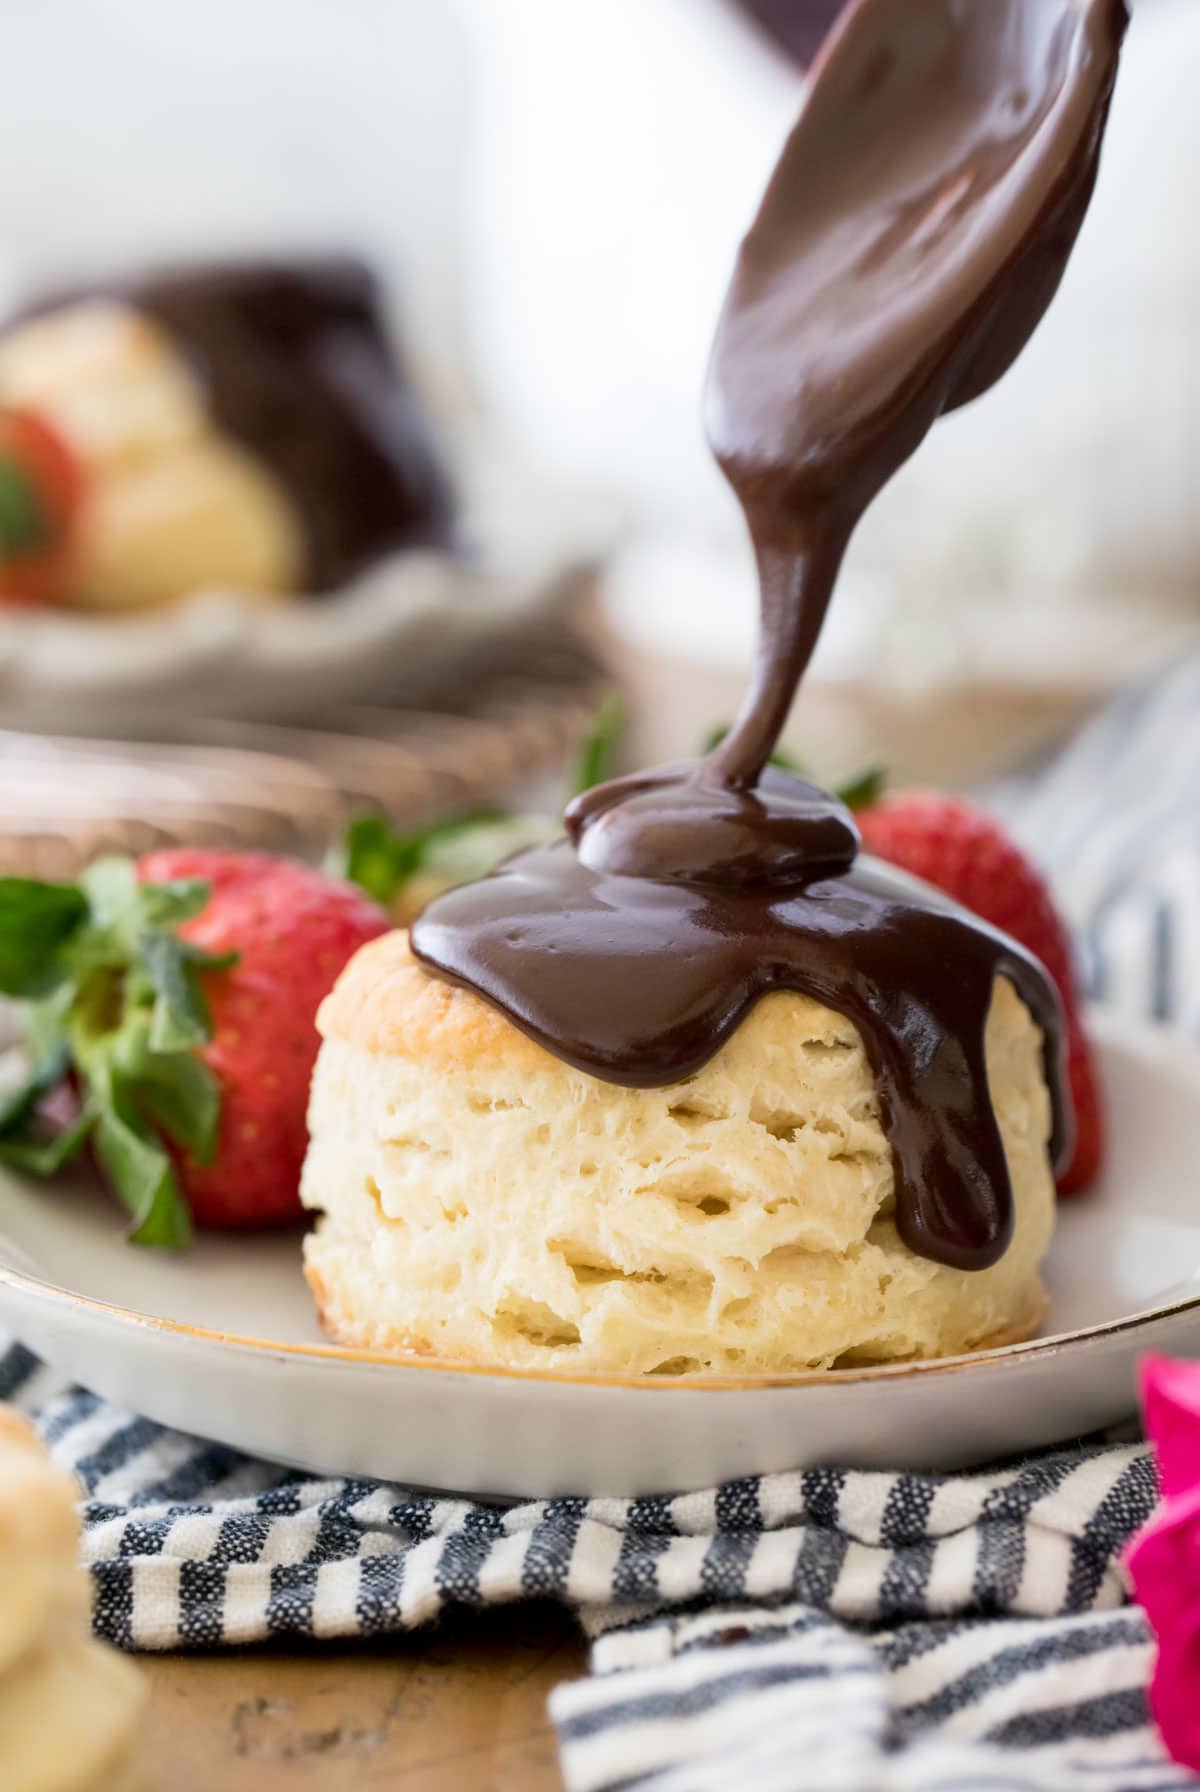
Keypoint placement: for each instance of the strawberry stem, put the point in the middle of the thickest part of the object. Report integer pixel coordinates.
(112, 996)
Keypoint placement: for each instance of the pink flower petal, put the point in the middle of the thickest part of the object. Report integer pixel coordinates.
(1171, 1403)
(1164, 1558)
(1164, 1561)
(1175, 1697)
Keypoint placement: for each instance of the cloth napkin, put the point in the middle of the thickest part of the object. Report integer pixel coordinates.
(827, 1630)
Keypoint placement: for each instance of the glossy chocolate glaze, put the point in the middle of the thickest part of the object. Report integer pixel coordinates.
(914, 231)
(639, 981)
(797, 27)
(297, 365)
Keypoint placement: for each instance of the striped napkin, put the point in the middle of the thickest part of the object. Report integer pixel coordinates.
(832, 1631)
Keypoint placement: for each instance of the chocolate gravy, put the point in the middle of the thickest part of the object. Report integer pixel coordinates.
(913, 233)
(794, 26)
(296, 364)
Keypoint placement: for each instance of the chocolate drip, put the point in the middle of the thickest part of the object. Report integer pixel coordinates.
(912, 235)
(915, 229)
(639, 981)
(794, 26)
(296, 364)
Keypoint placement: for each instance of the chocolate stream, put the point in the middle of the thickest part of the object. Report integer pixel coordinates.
(914, 230)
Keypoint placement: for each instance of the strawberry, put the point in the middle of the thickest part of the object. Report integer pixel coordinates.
(969, 856)
(179, 996)
(41, 488)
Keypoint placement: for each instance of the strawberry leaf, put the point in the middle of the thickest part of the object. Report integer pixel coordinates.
(19, 1103)
(376, 859)
(597, 755)
(169, 904)
(201, 959)
(865, 789)
(120, 1004)
(37, 921)
(111, 887)
(381, 861)
(181, 1016)
(95, 949)
(28, 1140)
(139, 1169)
(182, 1097)
(41, 1153)
(24, 524)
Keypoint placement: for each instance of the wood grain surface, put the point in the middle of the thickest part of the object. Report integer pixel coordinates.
(456, 1708)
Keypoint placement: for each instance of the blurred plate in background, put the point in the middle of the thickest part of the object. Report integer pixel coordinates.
(500, 719)
(531, 548)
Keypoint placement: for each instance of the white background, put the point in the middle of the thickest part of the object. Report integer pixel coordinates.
(556, 188)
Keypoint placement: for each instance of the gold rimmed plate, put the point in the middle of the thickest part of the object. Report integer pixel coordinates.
(223, 1342)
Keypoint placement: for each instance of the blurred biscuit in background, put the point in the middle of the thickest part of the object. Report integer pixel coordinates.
(69, 1706)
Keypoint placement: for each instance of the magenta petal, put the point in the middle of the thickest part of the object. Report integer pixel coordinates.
(1171, 1403)
(1164, 1558)
(1175, 1696)
(1164, 1561)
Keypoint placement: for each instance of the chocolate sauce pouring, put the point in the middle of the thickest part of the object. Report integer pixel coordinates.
(913, 233)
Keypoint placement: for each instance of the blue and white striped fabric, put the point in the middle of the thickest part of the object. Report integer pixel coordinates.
(832, 1631)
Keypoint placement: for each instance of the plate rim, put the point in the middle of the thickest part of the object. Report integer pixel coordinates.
(1107, 1025)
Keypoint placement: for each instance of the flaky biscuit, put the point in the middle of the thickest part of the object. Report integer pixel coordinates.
(40, 1582)
(483, 1201)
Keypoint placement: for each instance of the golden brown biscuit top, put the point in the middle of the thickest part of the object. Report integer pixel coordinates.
(386, 1003)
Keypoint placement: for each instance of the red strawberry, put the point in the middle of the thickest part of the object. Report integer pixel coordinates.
(293, 929)
(970, 857)
(41, 487)
(176, 1000)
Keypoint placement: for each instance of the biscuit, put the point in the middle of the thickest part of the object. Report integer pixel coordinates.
(69, 1707)
(173, 504)
(484, 1202)
(40, 1582)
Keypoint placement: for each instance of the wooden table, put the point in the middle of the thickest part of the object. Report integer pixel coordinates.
(456, 1708)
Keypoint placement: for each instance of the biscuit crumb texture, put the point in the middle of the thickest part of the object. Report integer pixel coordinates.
(484, 1202)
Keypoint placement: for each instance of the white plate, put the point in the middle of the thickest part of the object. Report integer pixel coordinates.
(223, 1343)
(221, 653)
